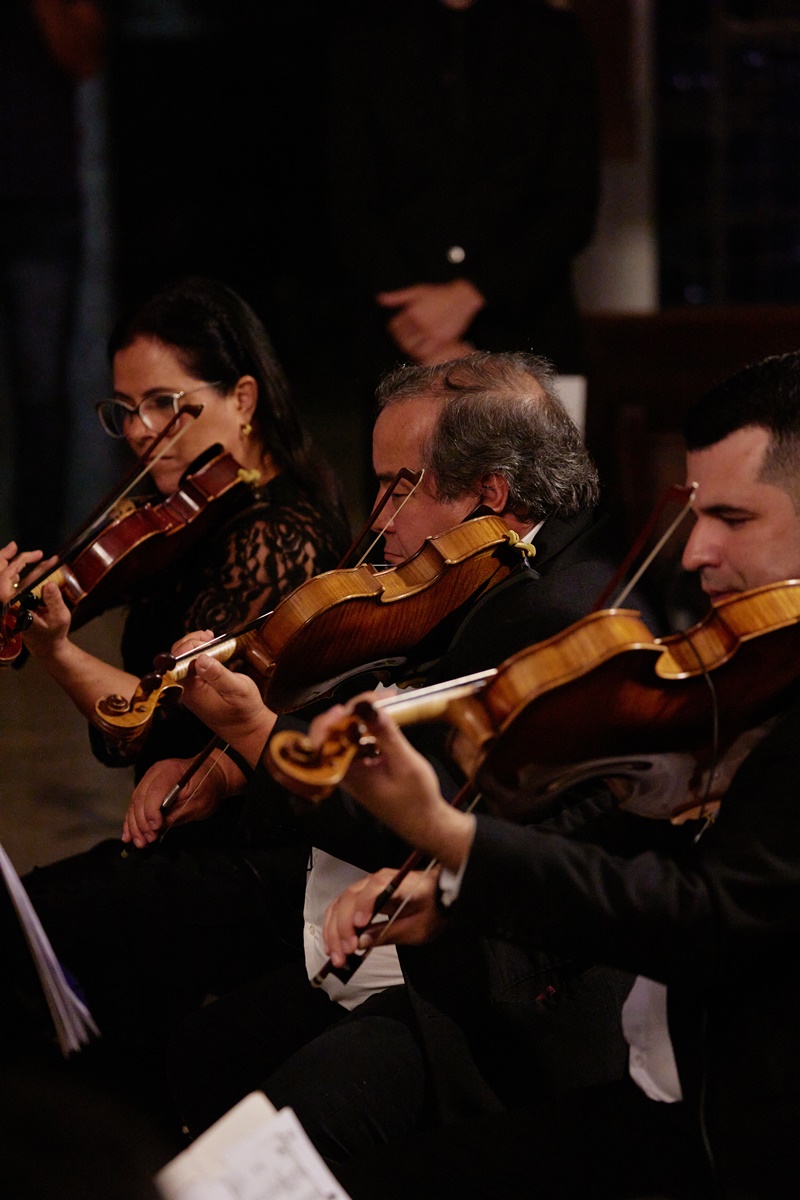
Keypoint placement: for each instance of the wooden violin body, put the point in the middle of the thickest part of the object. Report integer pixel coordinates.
(640, 713)
(345, 623)
(135, 545)
(603, 698)
(140, 544)
(348, 622)
(13, 623)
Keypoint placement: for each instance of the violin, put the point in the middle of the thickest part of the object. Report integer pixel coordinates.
(601, 699)
(137, 542)
(342, 624)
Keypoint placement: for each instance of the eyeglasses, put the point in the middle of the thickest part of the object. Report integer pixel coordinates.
(154, 411)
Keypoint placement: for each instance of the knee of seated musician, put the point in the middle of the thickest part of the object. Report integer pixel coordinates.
(505, 1154)
(359, 1085)
(225, 1049)
(565, 1026)
(149, 936)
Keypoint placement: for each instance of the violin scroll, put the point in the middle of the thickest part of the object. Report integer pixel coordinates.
(313, 772)
(17, 616)
(127, 721)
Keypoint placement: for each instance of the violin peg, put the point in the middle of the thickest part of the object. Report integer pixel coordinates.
(24, 620)
(113, 705)
(149, 683)
(163, 663)
(365, 711)
(368, 747)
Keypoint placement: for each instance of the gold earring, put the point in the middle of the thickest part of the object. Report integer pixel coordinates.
(247, 429)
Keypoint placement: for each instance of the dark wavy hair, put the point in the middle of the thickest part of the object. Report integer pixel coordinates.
(500, 414)
(764, 395)
(217, 336)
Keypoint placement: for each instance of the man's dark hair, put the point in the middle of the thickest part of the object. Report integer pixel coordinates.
(765, 395)
(500, 414)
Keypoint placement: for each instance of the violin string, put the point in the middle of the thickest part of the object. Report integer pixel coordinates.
(196, 651)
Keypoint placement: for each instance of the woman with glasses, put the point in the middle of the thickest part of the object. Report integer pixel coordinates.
(198, 344)
(150, 934)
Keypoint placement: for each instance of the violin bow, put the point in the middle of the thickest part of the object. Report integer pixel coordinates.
(126, 485)
(403, 475)
(465, 799)
(167, 662)
(676, 491)
(216, 743)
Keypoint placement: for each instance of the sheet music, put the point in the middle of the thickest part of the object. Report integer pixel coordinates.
(72, 1020)
(250, 1153)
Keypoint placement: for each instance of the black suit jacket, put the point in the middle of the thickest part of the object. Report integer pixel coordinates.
(490, 1012)
(716, 920)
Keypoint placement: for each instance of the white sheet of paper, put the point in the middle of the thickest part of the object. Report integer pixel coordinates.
(250, 1153)
(73, 1023)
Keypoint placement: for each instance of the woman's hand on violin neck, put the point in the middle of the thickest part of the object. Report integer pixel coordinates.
(48, 635)
(12, 565)
(201, 796)
(347, 921)
(399, 787)
(230, 704)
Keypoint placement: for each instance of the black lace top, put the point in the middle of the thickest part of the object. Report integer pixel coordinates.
(260, 555)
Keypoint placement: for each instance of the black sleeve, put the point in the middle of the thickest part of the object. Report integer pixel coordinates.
(734, 895)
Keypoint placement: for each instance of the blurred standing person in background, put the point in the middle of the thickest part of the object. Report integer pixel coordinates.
(47, 47)
(463, 173)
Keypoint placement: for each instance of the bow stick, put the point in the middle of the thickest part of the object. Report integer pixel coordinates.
(348, 969)
(100, 514)
(168, 662)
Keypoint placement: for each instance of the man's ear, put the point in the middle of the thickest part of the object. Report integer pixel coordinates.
(494, 492)
(246, 393)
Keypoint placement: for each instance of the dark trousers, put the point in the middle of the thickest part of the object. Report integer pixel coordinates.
(601, 1143)
(150, 935)
(352, 1078)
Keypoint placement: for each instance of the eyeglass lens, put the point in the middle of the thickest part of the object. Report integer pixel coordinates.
(154, 413)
